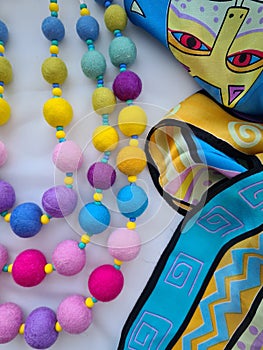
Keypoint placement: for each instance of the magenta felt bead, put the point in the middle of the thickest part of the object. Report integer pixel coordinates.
(105, 283)
(40, 332)
(7, 196)
(3, 256)
(67, 156)
(29, 268)
(127, 86)
(101, 175)
(11, 318)
(73, 315)
(3, 154)
(68, 259)
(124, 244)
(59, 201)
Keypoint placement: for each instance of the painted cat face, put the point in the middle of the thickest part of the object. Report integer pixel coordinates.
(220, 43)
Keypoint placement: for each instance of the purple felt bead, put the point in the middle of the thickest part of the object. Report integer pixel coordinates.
(127, 86)
(59, 201)
(68, 259)
(101, 175)
(3, 256)
(124, 244)
(3, 154)
(7, 196)
(73, 315)
(40, 330)
(11, 318)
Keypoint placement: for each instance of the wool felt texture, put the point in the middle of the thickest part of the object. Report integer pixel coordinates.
(67, 156)
(101, 175)
(93, 64)
(8, 196)
(205, 160)
(57, 112)
(122, 50)
(53, 28)
(5, 111)
(53, 68)
(127, 86)
(132, 201)
(94, 218)
(124, 244)
(131, 160)
(3, 153)
(3, 256)
(105, 138)
(12, 316)
(6, 70)
(103, 101)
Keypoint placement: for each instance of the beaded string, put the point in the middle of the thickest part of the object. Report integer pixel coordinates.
(69, 257)
(106, 281)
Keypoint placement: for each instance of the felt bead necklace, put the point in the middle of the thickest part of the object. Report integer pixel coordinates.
(74, 314)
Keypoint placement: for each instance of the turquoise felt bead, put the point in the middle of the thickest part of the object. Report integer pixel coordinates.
(94, 218)
(132, 201)
(93, 64)
(122, 50)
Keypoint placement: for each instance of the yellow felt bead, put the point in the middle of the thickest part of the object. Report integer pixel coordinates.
(131, 225)
(118, 262)
(57, 92)
(54, 49)
(7, 217)
(132, 178)
(57, 112)
(115, 18)
(85, 239)
(2, 89)
(5, 111)
(6, 72)
(44, 219)
(134, 142)
(89, 302)
(58, 327)
(131, 160)
(84, 12)
(48, 269)
(132, 120)
(2, 49)
(68, 180)
(60, 134)
(22, 329)
(98, 197)
(105, 138)
(103, 101)
(10, 267)
(54, 70)
(53, 7)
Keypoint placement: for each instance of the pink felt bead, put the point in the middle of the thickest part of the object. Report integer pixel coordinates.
(68, 259)
(11, 318)
(67, 156)
(124, 244)
(73, 315)
(3, 256)
(3, 154)
(105, 283)
(29, 268)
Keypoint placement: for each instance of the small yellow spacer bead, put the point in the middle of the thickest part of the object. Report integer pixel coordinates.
(49, 269)
(22, 329)
(2, 89)
(57, 92)
(131, 225)
(85, 239)
(89, 303)
(58, 327)
(2, 48)
(44, 219)
(10, 267)
(97, 197)
(68, 180)
(132, 178)
(134, 142)
(7, 217)
(84, 12)
(60, 134)
(54, 49)
(53, 7)
(118, 262)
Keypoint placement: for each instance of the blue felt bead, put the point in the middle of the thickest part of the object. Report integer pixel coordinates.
(3, 32)
(87, 28)
(132, 201)
(122, 50)
(53, 28)
(25, 220)
(94, 218)
(93, 64)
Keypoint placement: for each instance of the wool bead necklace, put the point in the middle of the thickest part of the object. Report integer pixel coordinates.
(74, 314)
